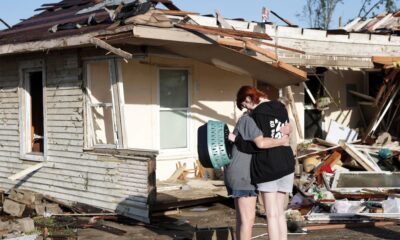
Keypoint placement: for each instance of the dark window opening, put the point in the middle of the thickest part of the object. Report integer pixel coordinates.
(37, 124)
(351, 100)
(312, 115)
(375, 82)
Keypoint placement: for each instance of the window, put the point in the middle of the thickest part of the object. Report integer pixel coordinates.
(32, 110)
(174, 106)
(102, 105)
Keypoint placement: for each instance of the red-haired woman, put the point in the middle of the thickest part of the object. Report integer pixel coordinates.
(271, 170)
(237, 173)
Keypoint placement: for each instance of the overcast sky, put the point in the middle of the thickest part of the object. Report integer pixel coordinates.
(12, 11)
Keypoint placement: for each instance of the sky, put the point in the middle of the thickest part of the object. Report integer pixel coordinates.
(249, 9)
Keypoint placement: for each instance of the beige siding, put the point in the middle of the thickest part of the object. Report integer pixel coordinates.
(70, 174)
(212, 93)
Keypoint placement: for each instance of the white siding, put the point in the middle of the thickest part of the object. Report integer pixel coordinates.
(112, 183)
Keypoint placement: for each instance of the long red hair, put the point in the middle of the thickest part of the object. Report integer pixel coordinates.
(248, 91)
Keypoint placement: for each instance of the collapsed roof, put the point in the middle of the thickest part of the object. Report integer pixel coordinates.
(78, 23)
(384, 23)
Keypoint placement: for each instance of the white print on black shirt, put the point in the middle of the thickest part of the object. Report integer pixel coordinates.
(276, 128)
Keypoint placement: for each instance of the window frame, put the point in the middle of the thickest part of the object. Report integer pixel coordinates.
(25, 111)
(188, 111)
(116, 87)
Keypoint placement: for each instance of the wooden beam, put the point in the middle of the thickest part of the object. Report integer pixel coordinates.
(247, 44)
(349, 225)
(284, 20)
(116, 51)
(291, 68)
(177, 12)
(221, 20)
(4, 22)
(250, 45)
(26, 171)
(367, 97)
(391, 86)
(384, 60)
(221, 31)
(231, 42)
(294, 111)
(278, 46)
(254, 47)
(360, 159)
(168, 4)
(63, 42)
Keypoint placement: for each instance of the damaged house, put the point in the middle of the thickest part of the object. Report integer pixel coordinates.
(102, 98)
(96, 94)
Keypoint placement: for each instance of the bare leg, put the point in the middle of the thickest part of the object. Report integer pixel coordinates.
(281, 199)
(245, 217)
(272, 211)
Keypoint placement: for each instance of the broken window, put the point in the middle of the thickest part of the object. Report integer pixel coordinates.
(32, 113)
(174, 108)
(313, 115)
(103, 121)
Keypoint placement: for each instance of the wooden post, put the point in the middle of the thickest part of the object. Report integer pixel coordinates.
(294, 111)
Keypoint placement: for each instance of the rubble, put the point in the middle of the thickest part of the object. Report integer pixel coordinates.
(348, 182)
(27, 215)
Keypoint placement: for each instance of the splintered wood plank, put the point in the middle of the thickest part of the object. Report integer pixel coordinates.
(385, 60)
(26, 171)
(221, 31)
(360, 159)
(106, 46)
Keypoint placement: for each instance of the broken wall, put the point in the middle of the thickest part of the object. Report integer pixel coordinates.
(338, 82)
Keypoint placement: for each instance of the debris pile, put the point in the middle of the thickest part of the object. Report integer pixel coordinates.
(347, 183)
(30, 214)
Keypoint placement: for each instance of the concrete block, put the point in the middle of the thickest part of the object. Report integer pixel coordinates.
(24, 196)
(53, 208)
(25, 225)
(40, 209)
(14, 208)
(5, 226)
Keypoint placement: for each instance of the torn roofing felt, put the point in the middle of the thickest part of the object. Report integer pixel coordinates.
(76, 23)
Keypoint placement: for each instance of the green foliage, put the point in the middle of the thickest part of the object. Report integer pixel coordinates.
(369, 7)
(319, 12)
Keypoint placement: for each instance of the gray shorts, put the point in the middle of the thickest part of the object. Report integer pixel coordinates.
(283, 184)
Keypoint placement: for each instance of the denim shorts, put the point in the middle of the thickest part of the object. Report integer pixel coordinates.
(241, 193)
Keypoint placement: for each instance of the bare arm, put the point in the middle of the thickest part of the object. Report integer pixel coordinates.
(262, 142)
(286, 129)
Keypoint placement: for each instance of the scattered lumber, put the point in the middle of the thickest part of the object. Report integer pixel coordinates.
(349, 225)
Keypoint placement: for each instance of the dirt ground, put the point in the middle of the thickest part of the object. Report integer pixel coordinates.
(183, 224)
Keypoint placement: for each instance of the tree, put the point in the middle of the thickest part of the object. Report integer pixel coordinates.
(319, 12)
(368, 7)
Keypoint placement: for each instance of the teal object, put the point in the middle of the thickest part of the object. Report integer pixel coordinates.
(218, 144)
(385, 153)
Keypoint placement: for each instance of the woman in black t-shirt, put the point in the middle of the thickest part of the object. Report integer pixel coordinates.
(272, 170)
